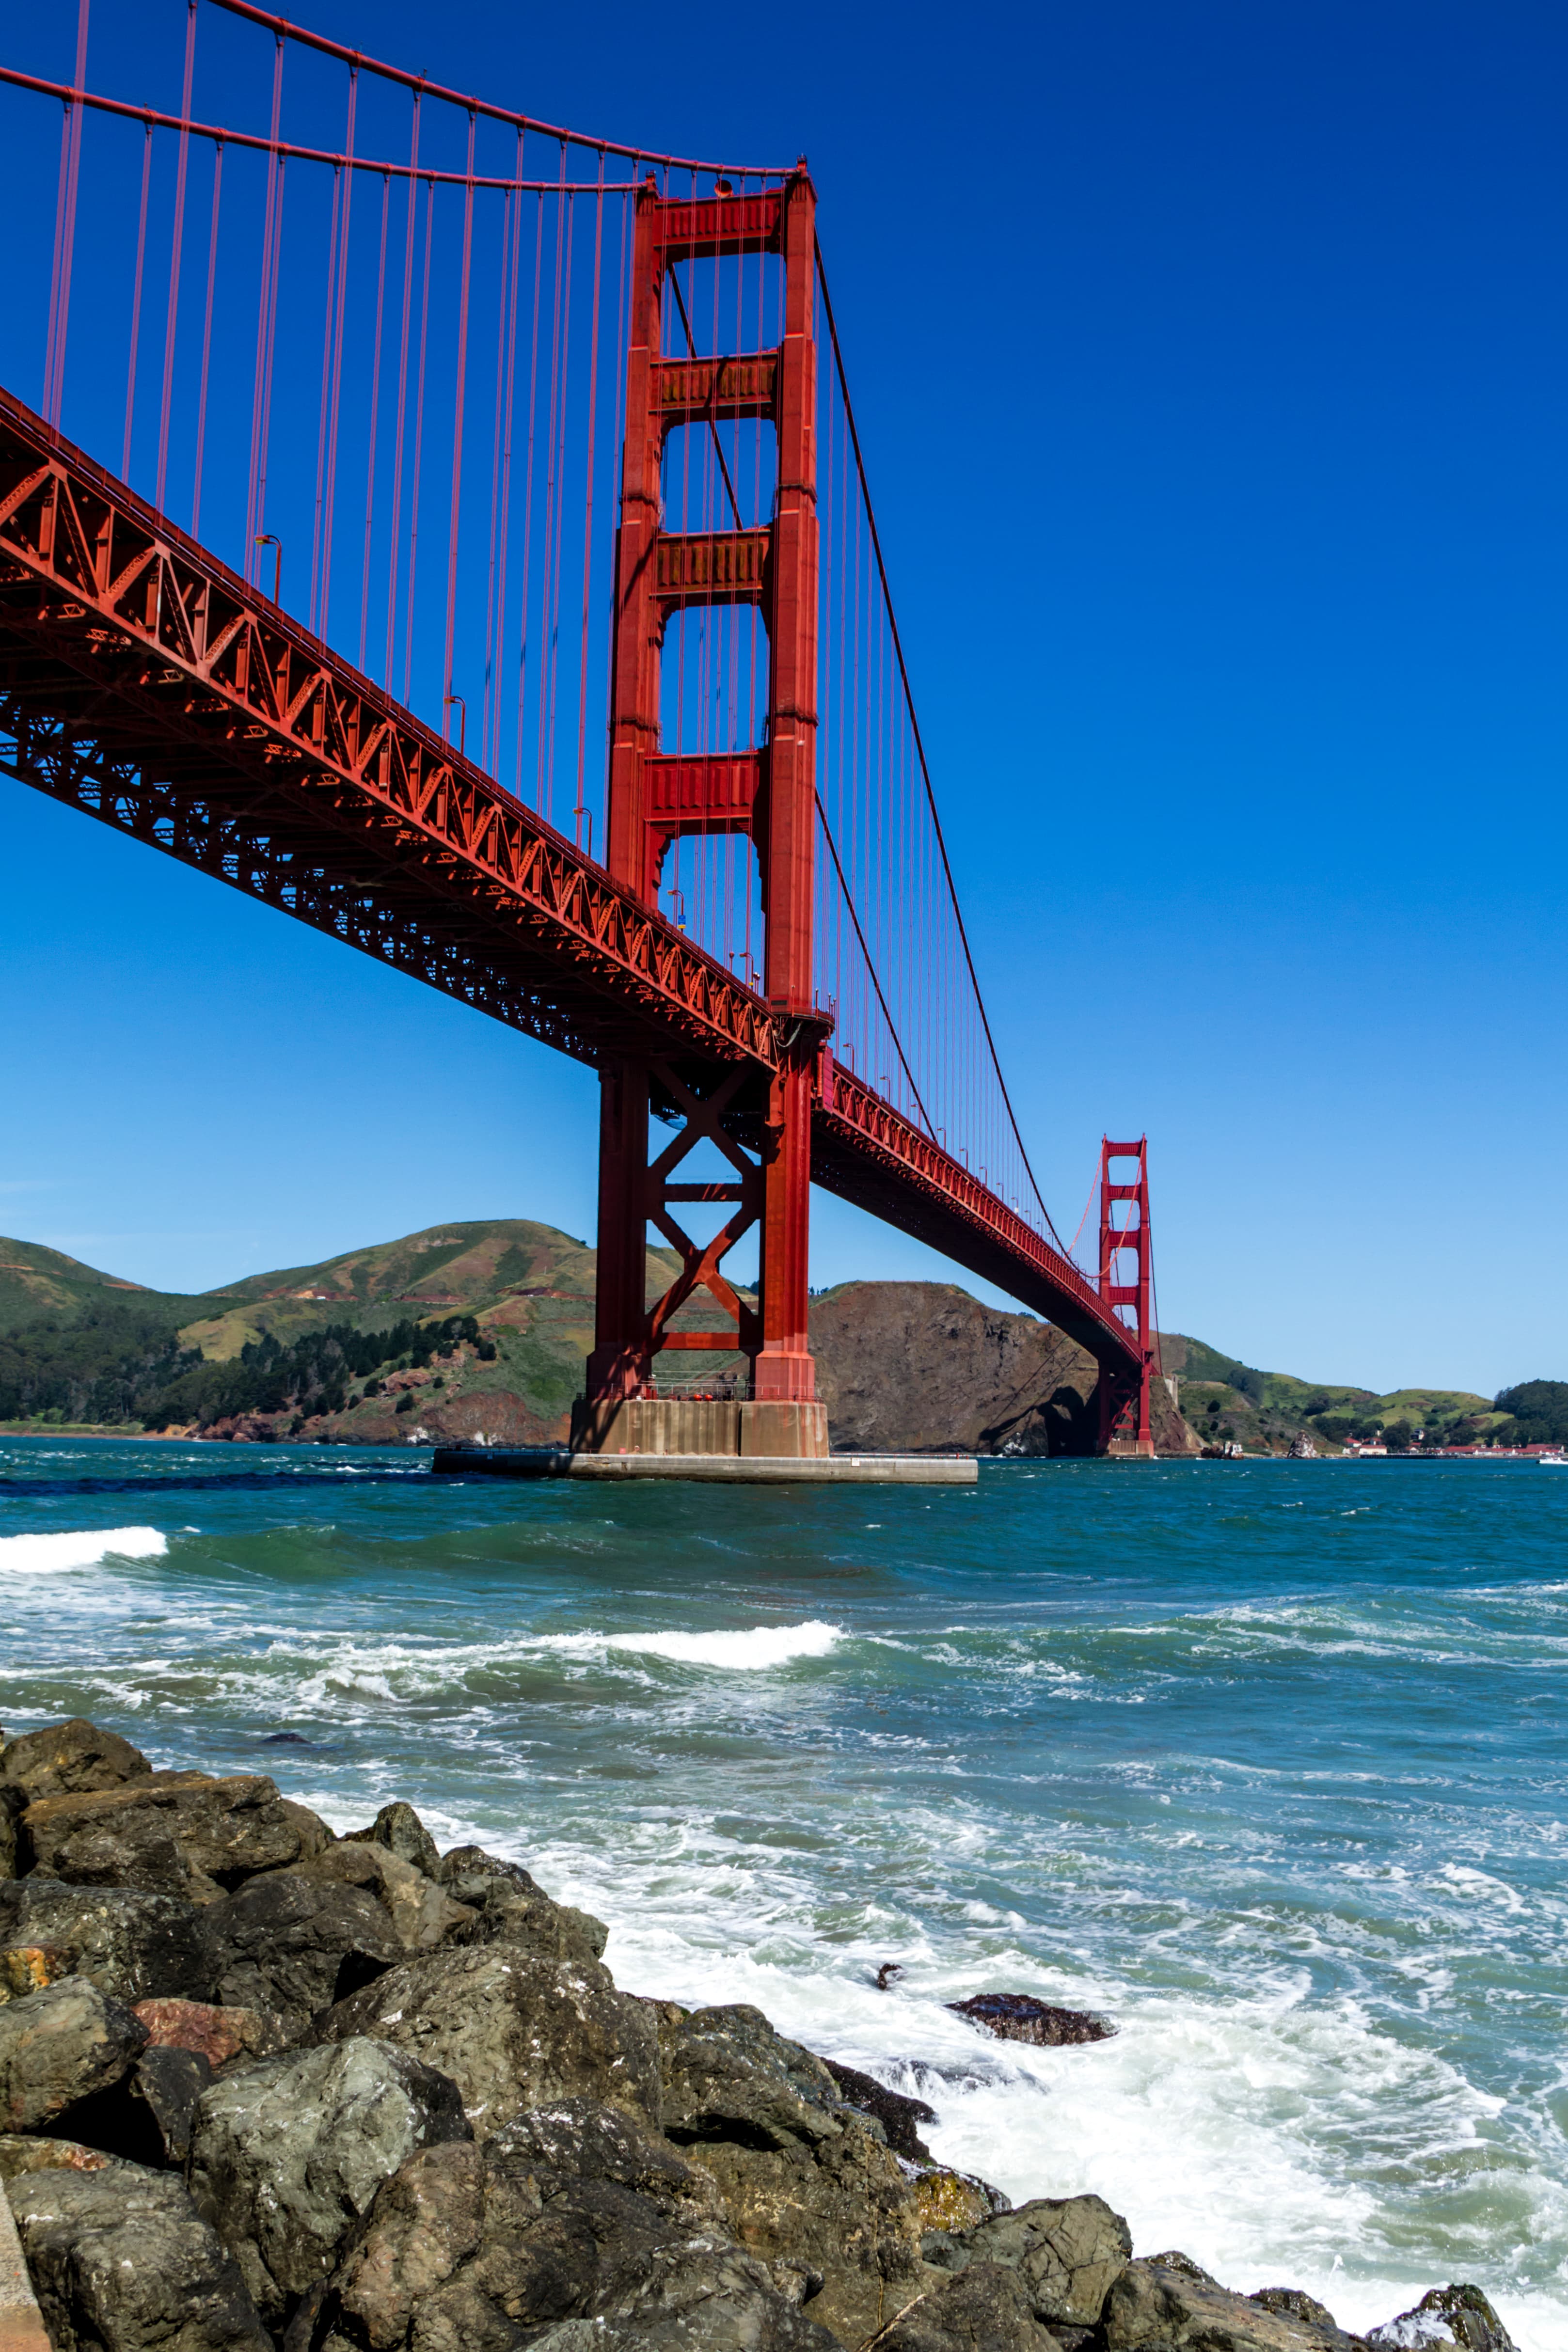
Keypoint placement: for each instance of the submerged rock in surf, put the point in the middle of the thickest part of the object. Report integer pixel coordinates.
(1447, 2315)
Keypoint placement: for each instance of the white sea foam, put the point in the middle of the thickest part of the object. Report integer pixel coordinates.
(757, 1648)
(78, 1547)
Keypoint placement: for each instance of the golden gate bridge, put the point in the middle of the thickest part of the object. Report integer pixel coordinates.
(553, 436)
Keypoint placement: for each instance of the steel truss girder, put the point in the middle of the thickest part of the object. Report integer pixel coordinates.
(141, 640)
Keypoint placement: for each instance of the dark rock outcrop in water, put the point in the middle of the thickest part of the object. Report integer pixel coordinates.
(373, 2098)
(1020, 2017)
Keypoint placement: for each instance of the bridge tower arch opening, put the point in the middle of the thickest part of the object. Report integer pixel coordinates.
(1126, 1287)
(765, 792)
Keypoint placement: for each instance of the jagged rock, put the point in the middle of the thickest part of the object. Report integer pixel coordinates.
(122, 2261)
(1069, 2252)
(1295, 2302)
(948, 2202)
(467, 1871)
(986, 2308)
(399, 1829)
(24, 2152)
(841, 2209)
(286, 2156)
(512, 2030)
(1448, 2314)
(572, 2210)
(423, 1913)
(524, 1914)
(1020, 2017)
(131, 1944)
(215, 2033)
(144, 2118)
(13, 1804)
(695, 2298)
(70, 1759)
(60, 2046)
(171, 1833)
(1172, 2303)
(728, 2076)
(293, 1945)
(897, 2114)
(805, 2181)
(511, 1908)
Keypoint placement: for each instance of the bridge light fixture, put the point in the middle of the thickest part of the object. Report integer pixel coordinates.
(270, 538)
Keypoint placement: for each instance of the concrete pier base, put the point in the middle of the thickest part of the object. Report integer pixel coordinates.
(732, 1469)
(693, 1425)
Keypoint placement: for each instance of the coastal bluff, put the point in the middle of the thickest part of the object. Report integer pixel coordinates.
(267, 2088)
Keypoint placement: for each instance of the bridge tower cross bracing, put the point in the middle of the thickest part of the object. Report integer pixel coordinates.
(1124, 1424)
(766, 793)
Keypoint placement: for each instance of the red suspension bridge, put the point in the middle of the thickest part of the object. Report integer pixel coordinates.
(555, 436)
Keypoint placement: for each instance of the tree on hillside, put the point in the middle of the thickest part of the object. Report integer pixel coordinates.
(1539, 1410)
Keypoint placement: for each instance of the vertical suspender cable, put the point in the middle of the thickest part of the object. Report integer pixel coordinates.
(460, 399)
(528, 499)
(207, 345)
(136, 303)
(269, 242)
(508, 413)
(65, 235)
(331, 489)
(175, 251)
(579, 812)
(328, 307)
(498, 523)
(418, 440)
(374, 419)
(402, 400)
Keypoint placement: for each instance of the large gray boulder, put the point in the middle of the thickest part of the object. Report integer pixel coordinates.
(122, 2261)
(511, 2030)
(729, 2076)
(510, 1906)
(285, 2157)
(808, 2186)
(693, 2298)
(60, 2046)
(77, 1758)
(574, 2211)
(171, 1833)
(1170, 2302)
(292, 1944)
(132, 1945)
(421, 1912)
(985, 2308)
(398, 1830)
(1069, 2252)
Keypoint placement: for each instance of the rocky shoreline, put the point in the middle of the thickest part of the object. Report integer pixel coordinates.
(264, 2088)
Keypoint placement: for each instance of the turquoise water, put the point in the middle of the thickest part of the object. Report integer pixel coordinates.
(1265, 1760)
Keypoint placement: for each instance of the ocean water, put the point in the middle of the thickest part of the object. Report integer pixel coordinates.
(1266, 1762)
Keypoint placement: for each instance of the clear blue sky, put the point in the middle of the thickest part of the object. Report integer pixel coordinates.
(1211, 362)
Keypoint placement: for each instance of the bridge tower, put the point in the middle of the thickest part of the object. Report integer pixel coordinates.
(766, 793)
(1124, 1426)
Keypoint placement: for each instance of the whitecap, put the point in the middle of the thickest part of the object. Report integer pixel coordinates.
(757, 1648)
(35, 1555)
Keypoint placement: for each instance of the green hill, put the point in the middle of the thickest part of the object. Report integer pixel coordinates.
(493, 1318)
(483, 1328)
(1223, 1398)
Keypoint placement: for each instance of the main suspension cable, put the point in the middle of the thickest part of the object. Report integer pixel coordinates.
(919, 745)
